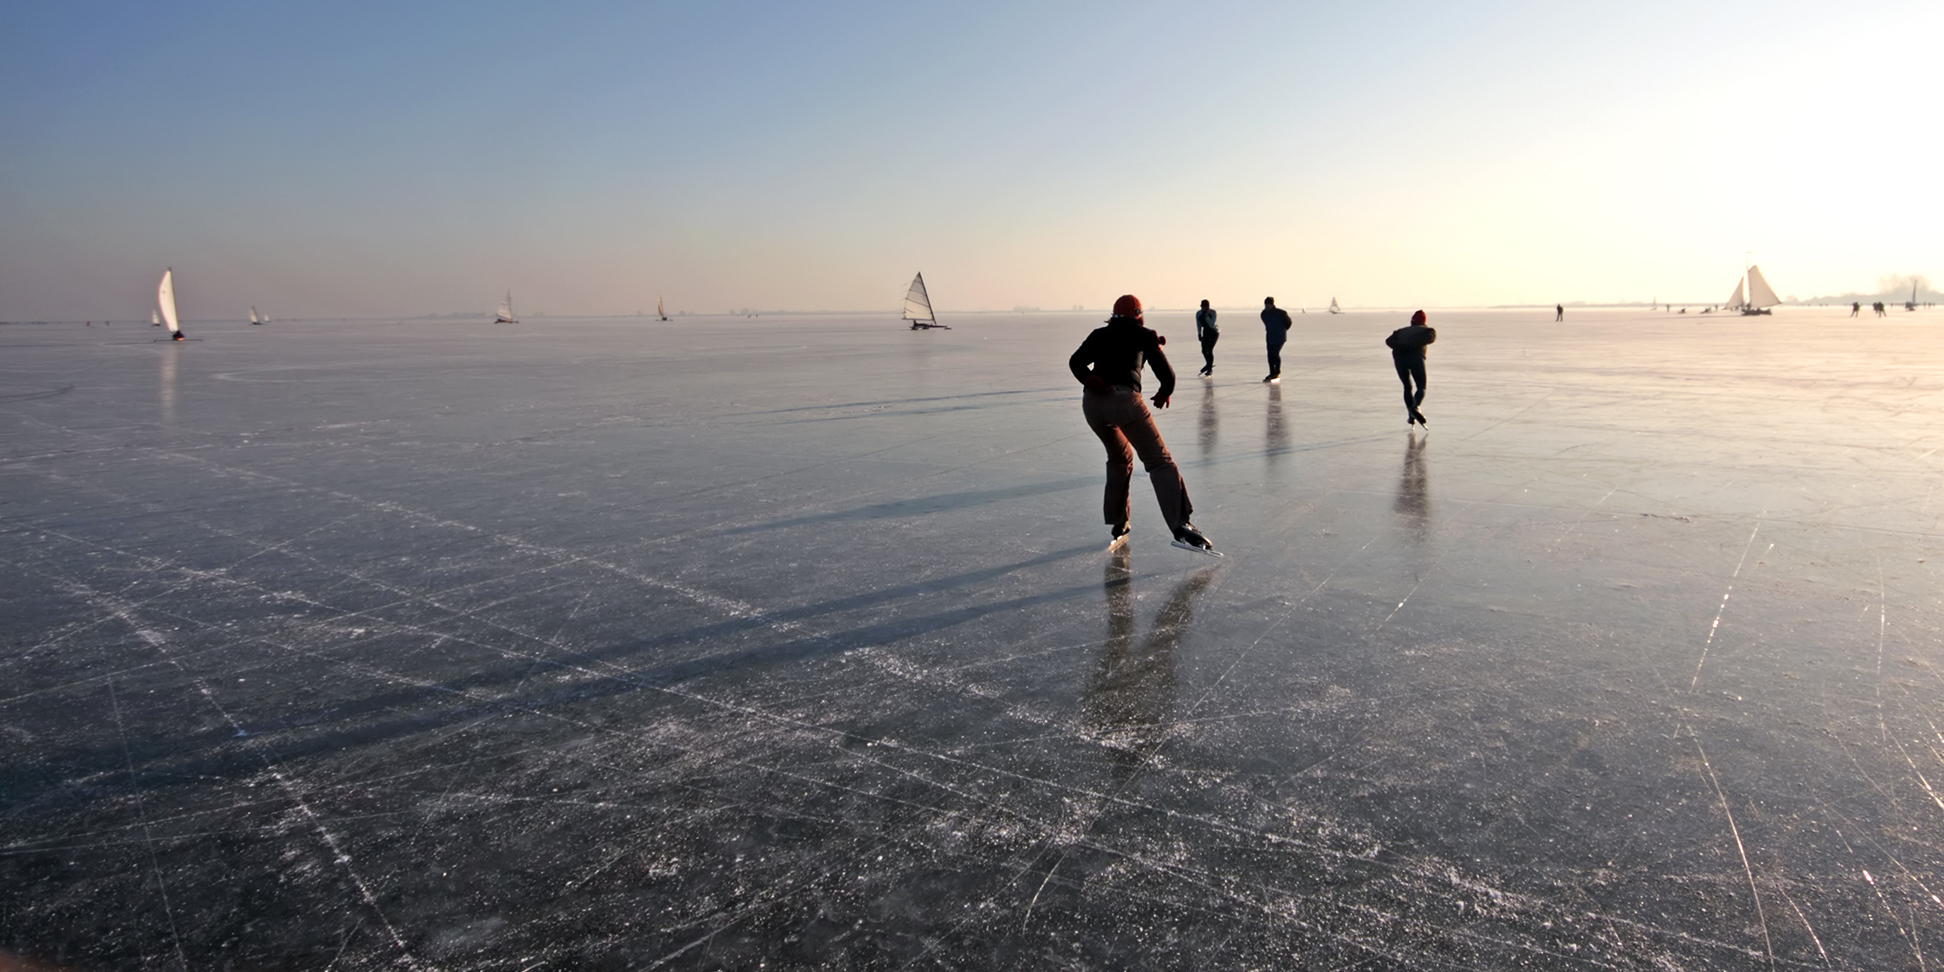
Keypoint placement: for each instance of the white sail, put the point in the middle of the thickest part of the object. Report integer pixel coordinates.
(917, 304)
(505, 314)
(659, 310)
(1735, 302)
(1334, 309)
(155, 318)
(165, 299)
(253, 315)
(1759, 292)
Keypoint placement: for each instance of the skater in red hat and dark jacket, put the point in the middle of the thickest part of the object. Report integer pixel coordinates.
(1407, 346)
(1109, 364)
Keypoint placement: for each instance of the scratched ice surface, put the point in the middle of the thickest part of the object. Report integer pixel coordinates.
(720, 642)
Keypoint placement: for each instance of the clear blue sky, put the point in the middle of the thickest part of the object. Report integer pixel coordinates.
(377, 159)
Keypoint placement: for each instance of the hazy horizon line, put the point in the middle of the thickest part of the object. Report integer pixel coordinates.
(483, 316)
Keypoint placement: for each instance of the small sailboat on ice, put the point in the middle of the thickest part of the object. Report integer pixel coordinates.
(505, 312)
(659, 311)
(255, 318)
(1334, 309)
(1759, 297)
(165, 299)
(918, 308)
(155, 319)
(1911, 304)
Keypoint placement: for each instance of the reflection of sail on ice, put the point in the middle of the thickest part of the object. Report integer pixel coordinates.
(1334, 309)
(917, 306)
(1760, 296)
(165, 299)
(505, 314)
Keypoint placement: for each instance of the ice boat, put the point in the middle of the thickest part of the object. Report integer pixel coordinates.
(1753, 295)
(918, 308)
(165, 299)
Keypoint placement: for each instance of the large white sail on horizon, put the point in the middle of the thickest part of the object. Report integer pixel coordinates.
(1334, 309)
(917, 303)
(254, 319)
(505, 313)
(165, 299)
(659, 310)
(1760, 294)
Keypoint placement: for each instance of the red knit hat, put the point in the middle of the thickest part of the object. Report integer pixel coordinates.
(1128, 306)
(1417, 318)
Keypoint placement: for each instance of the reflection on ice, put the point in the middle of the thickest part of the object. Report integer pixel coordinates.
(1275, 434)
(1413, 504)
(1209, 423)
(166, 385)
(1130, 703)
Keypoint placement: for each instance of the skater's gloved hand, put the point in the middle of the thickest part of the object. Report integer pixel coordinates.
(1095, 383)
(1160, 401)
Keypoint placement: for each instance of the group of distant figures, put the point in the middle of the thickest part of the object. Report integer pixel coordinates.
(1856, 307)
(1109, 363)
(1559, 310)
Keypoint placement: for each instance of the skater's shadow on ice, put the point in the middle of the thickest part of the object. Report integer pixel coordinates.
(902, 401)
(564, 679)
(922, 505)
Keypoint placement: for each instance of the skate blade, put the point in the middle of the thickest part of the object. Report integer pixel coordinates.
(1117, 543)
(1183, 544)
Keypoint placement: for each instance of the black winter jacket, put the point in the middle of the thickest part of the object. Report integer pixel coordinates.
(1117, 352)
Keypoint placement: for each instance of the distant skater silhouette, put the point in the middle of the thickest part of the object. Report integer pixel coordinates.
(1275, 327)
(1205, 330)
(1879, 309)
(1856, 307)
(1559, 312)
(1407, 346)
(1108, 363)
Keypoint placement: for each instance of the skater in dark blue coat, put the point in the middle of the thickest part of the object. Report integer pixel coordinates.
(1275, 328)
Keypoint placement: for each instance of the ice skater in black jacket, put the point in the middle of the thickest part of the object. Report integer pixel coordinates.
(1407, 346)
(1206, 330)
(1109, 364)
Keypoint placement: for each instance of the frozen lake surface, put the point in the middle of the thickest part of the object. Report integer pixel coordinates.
(792, 640)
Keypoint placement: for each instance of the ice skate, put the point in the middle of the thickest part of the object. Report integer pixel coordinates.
(1191, 539)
